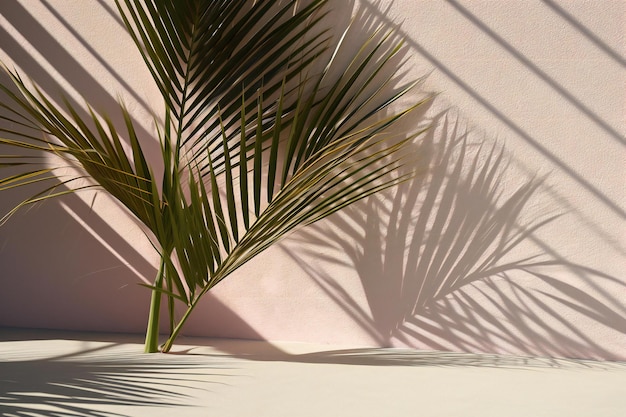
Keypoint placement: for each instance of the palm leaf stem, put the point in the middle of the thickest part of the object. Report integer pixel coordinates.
(152, 330)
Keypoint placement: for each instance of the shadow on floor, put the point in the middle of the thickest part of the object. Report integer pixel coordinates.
(96, 378)
(267, 351)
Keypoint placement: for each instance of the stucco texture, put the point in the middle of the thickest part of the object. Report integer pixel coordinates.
(424, 265)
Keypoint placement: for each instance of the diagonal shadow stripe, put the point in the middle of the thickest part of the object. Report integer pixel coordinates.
(593, 38)
(506, 120)
(539, 73)
(132, 91)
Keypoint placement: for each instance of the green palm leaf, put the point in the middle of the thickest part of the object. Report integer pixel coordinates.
(244, 111)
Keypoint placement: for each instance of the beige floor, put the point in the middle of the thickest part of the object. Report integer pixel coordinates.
(48, 373)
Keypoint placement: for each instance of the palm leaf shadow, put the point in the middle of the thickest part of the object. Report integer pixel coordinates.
(89, 382)
(448, 276)
(266, 351)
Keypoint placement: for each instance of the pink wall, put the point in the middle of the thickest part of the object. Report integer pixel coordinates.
(417, 266)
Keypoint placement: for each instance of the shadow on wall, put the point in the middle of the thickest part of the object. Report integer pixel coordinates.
(62, 265)
(556, 161)
(586, 32)
(447, 277)
(78, 247)
(453, 273)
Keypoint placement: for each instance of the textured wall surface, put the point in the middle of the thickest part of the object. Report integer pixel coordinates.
(521, 254)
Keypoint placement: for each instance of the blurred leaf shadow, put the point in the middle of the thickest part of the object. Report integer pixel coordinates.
(446, 265)
(266, 351)
(98, 381)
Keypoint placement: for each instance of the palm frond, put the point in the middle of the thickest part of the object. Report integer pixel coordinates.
(245, 112)
(206, 55)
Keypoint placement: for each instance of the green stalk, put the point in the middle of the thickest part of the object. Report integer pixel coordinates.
(152, 331)
(170, 341)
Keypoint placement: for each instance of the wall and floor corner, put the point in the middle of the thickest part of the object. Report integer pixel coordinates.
(426, 265)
